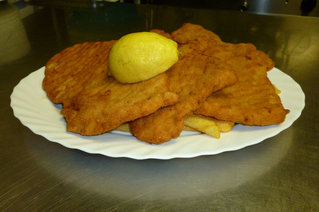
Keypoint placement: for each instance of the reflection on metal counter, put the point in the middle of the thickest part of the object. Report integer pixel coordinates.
(14, 43)
(297, 7)
(162, 181)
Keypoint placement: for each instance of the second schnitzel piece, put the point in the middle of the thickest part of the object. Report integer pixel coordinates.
(194, 77)
(253, 99)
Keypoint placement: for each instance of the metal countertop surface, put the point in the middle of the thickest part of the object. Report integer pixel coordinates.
(279, 174)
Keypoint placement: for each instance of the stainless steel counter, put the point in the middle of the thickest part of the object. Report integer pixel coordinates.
(279, 174)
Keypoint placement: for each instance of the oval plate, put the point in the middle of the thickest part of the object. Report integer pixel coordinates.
(32, 107)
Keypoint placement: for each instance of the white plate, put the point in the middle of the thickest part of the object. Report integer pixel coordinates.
(32, 107)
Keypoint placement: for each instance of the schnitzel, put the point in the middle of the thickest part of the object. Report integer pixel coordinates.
(68, 71)
(194, 77)
(93, 102)
(211, 78)
(205, 65)
(253, 99)
(250, 101)
(107, 104)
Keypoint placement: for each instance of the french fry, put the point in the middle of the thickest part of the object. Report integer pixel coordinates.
(224, 126)
(186, 128)
(197, 123)
(203, 124)
(276, 89)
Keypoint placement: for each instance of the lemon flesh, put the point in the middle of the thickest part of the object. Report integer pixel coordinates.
(140, 56)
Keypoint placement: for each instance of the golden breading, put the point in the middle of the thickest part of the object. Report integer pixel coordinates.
(253, 99)
(194, 77)
(107, 104)
(68, 71)
(232, 76)
(94, 103)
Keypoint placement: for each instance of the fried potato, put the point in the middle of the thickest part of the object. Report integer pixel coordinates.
(224, 126)
(276, 89)
(186, 128)
(197, 123)
(203, 124)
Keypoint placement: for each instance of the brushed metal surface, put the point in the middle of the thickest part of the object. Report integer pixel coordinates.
(279, 174)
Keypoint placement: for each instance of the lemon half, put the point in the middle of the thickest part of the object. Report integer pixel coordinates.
(140, 56)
